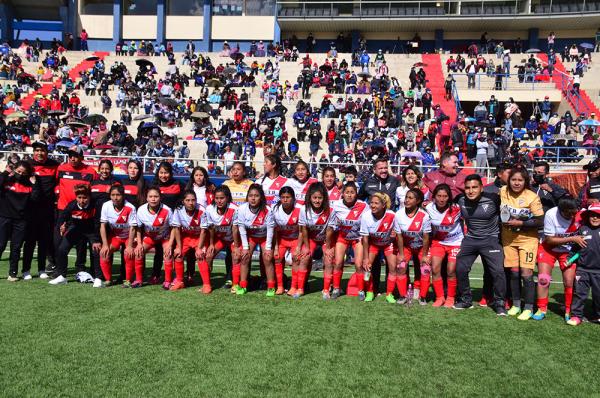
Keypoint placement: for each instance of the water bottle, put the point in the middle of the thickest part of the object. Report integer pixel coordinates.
(410, 293)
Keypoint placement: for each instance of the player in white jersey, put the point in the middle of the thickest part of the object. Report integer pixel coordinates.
(446, 237)
(189, 235)
(411, 178)
(118, 220)
(272, 181)
(254, 224)
(314, 217)
(200, 183)
(377, 231)
(218, 221)
(285, 240)
(301, 181)
(154, 229)
(328, 177)
(413, 227)
(561, 225)
(343, 232)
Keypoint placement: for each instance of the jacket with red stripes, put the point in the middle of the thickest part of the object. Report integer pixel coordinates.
(45, 173)
(171, 192)
(81, 220)
(68, 177)
(17, 196)
(101, 192)
(132, 191)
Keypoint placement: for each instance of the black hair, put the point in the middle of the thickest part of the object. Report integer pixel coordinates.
(117, 187)
(261, 193)
(226, 191)
(190, 183)
(301, 163)
(419, 195)
(108, 162)
(567, 203)
(518, 170)
(443, 187)
(314, 188)
(140, 182)
(415, 169)
(474, 177)
(289, 191)
(25, 164)
(163, 165)
(543, 164)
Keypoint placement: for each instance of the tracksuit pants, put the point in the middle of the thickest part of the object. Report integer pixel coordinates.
(12, 229)
(39, 232)
(67, 242)
(584, 281)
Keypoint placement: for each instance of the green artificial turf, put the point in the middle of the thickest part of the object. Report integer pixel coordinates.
(78, 341)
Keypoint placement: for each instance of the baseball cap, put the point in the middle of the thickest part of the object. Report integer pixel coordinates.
(594, 208)
(40, 144)
(75, 151)
(591, 166)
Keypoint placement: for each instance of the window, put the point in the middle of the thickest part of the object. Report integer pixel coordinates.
(185, 7)
(260, 7)
(139, 7)
(228, 7)
(97, 7)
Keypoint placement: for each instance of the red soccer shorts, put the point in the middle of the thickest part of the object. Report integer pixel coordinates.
(545, 255)
(410, 253)
(387, 249)
(284, 245)
(348, 243)
(439, 250)
(117, 243)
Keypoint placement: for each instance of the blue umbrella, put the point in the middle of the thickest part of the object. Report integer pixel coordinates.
(589, 123)
(4, 50)
(65, 143)
(587, 45)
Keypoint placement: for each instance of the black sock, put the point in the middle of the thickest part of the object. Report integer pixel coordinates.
(515, 288)
(529, 291)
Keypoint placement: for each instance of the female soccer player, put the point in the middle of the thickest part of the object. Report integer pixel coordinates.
(561, 232)
(254, 223)
(200, 183)
(301, 181)
(219, 225)
(272, 181)
(377, 231)
(134, 183)
(446, 236)
(118, 220)
(187, 221)
(413, 227)
(285, 238)
(329, 177)
(524, 215)
(314, 216)
(344, 232)
(238, 184)
(154, 230)
(411, 178)
(100, 187)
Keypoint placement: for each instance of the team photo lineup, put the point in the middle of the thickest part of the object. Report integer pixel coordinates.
(425, 230)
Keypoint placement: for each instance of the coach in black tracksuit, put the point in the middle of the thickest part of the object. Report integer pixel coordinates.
(480, 211)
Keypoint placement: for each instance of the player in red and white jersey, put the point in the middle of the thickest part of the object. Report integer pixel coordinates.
(561, 224)
(301, 181)
(314, 217)
(187, 222)
(413, 227)
(285, 240)
(446, 237)
(154, 229)
(343, 232)
(329, 177)
(272, 181)
(118, 220)
(377, 231)
(218, 221)
(255, 226)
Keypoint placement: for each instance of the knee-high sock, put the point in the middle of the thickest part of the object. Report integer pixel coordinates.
(370, 285)
(168, 270)
(568, 298)
(106, 266)
(542, 303)
(327, 277)
(179, 270)
(279, 274)
(515, 288)
(452, 287)
(129, 268)
(139, 269)
(302, 274)
(391, 284)
(438, 288)
(236, 271)
(271, 284)
(360, 281)
(529, 292)
(337, 279)
(204, 272)
(294, 284)
(424, 288)
(401, 282)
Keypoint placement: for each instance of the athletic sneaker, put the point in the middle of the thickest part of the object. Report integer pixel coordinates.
(136, 285)
(390, 298)
(177, 285)
(525, 315)
(336, 293)
(567, 316)
(500, 310)
(539, 315)
(402, 300)
(228, 284)
(166, 285)
(574, 321)
(361, 295)
(299, 293)
(326, 295)
(240, 291)
(449, 303)
(27, 276)
(205, 289)
(59, 280)
(514, 311)
(126, 285)
(154, 280)
(271, 292)
(422, 301)
(12, 278)
(98, 283)
(43, 275)
(483, 302)
(438, 302)
(370, 296)
(461, 305)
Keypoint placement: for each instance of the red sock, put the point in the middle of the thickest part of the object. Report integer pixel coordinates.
(451, 287)
(370, 284)
(244, 284)
(337, 279)
(271, 284)
(236, 270)
(294, 279)
(279, 274)
(179, 270)
(302, 278)
(391, 284)
(568, 298)
(327, 281)
(169, 271)
(417, 284)
(139, 269)
(424, 285)
(360, 281)
(204, 272)
(401, 282)
(106, 266)
(129, 267)
(542, 304)
(438, 288)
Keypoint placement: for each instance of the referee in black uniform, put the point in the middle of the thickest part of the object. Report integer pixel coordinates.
(480, 211)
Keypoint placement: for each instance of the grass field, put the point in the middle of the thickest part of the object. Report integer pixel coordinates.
(78, 341)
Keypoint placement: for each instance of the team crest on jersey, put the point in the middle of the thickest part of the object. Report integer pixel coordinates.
(485, 207)
(160, 220)
(418, 224)
(521, 202)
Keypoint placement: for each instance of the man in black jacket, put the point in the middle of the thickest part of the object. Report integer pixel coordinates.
(548, 191)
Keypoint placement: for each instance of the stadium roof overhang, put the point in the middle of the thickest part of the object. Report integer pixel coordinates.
(43, 10)
(451, 24)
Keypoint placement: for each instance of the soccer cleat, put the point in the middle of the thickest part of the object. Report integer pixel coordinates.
(59, 280)
(370, 296)
(292, 292)
(402, 300)
(422, 301)
(177, 285)
(12, 278)
(390, 298)
(240, 291)
(228, 284)
(514, 311)
(270, 292)
(326, 295)
(336, 293)
(438, 302)
(299, 293)
(567, 316)
(539, 315)
(279, 291)
(44, 275)
(361, 295)
(136, 285)
(461, 305)
(154, 280)
(205, 289)
(525, 315)
(126, 285)
(500, 310)
(27, 276)
(98, 283)
(483, 302)
(166, 285)
(574, 321)
(449, 303)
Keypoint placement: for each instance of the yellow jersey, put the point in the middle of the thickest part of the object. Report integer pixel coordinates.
(238, 190)
(522, 206)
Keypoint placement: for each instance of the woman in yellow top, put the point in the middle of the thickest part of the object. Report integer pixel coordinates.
(521, 213)
(238, 184)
